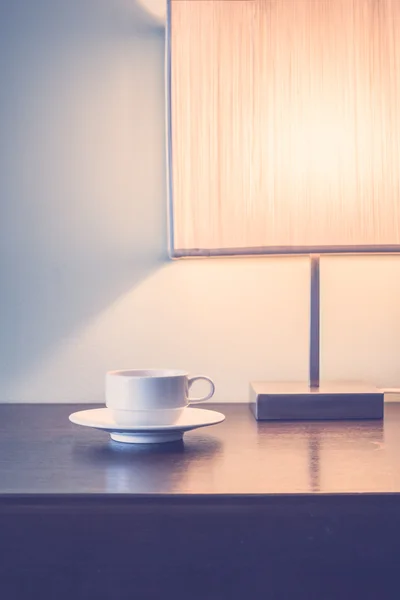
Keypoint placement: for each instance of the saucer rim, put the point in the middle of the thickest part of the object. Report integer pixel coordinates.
(114, 427)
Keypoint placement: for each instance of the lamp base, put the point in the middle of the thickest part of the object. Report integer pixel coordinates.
(300, 402)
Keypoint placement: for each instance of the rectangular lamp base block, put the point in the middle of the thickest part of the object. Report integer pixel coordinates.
(293, 401)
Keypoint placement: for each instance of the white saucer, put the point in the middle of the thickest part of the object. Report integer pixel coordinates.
(101, 418)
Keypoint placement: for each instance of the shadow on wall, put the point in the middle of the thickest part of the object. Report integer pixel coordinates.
(82, 210)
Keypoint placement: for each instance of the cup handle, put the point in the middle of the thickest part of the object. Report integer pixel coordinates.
(191, 380)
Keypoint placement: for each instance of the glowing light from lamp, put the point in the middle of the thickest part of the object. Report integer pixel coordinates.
(156, 8)
(285, 123)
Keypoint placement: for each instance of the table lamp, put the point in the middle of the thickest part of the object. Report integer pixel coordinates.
(283, 136)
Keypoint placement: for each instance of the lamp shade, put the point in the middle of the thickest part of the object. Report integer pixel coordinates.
(284, 126)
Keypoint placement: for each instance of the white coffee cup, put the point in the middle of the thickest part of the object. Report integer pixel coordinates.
(148, 397)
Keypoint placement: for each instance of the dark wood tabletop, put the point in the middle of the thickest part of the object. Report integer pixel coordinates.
(242, 509)
(41, 452)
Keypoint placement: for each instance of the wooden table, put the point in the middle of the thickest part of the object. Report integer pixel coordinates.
(239, 510)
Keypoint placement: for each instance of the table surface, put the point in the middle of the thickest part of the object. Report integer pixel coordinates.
(41, 452)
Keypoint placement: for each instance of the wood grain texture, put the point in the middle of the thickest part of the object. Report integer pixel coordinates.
(41, 452)
(243, 510)
(285, 123)
(271, 548)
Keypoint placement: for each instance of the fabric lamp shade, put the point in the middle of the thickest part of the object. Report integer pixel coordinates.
(284, 126)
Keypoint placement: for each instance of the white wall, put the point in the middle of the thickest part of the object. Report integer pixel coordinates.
(85, 284)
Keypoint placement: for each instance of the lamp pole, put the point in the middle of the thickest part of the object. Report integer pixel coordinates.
(314, 376)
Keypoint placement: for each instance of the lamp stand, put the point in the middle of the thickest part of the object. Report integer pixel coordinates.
(315, 400)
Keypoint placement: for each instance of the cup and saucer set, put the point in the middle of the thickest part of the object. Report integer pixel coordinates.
(149, 406)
